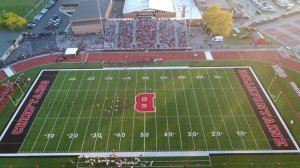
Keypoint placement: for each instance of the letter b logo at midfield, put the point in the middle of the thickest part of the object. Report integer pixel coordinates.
(144, 103)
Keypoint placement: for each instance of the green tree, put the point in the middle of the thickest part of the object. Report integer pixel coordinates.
(11, 21)
(219, 21)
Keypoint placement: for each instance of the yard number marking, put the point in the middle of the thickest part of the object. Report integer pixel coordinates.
(200, 77)
(192, 134)
(73, 135)
(241, 133)
(96, 135)
(144, 134)
(218, 77)
(169, 134)
(49, 136)
(216, 133)
(145, 77)
(181, 77)
(109, 78)
(91, 78)
(120, 134)
(127, 77)
(163, 77)
(72, 79)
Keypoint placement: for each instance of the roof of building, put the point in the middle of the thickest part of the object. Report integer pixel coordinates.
(70, 2)
(89, 9)
(82, 23)
(140, 5)
(6, 40)
(203, 4)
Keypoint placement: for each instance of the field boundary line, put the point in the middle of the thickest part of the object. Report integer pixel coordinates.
(152, 154)
(275, 109)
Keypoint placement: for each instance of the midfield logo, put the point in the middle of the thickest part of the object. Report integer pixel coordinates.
(144, 103)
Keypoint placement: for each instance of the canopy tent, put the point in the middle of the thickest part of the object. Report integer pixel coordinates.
(71, 52)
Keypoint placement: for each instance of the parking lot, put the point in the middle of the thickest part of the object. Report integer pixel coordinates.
(286, 31)
(259, 10)
(50, 14)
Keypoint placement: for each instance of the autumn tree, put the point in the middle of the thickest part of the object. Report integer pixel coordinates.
(12, 21)
(219, 21)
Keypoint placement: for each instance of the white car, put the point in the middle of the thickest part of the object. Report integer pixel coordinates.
(236, 30)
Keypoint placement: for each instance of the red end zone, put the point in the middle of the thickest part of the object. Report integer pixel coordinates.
(144, 103)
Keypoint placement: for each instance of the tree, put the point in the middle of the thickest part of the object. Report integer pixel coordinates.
(12, 21)
(219, 21)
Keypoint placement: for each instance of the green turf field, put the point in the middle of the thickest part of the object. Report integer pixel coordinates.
(196, 110)
(250, 160)
(20, 7)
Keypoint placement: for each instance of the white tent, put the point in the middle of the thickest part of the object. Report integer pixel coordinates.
(71, 52)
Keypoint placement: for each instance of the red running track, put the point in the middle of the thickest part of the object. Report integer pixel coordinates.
(2, 75)
(264, 56)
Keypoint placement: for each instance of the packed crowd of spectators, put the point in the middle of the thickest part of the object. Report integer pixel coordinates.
(125, 34)
(146, 34)
(182, 36)
(119, 34)
(110, 34)
(167, 34)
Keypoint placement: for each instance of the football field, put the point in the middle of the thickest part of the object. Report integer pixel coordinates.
(146, 109)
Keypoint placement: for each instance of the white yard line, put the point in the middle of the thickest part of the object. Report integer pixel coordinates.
(98, 127)
(145, 113)
(49, 111)
(132, 130)
(112, 113)
(220, 110)
(209, 110)
(60, 110)
(86, 130)
(124, 110)
(155, 116)
(235, 122)
(199, 114)
(165, 94)
(176, 106)
(66, 123)
(188, 111)
(86, 93)
(241, 109)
